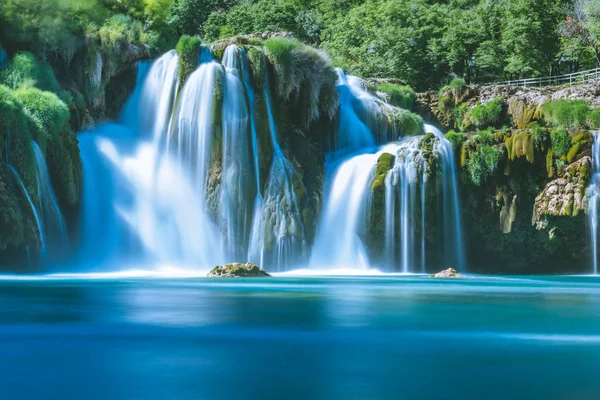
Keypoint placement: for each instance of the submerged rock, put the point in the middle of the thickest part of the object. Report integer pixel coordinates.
(448, 273)
(237, 270)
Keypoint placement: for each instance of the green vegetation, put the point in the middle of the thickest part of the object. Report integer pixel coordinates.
(304, 78)
(455, 138)
(384, 164)
(561, 141)
(482, 163)
(188, 49)
(570, 114)
(405, 122)
(398, 95)
(25, 70)
(487, 114)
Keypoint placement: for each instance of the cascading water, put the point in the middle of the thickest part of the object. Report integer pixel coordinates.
(452, 224)
(593, 193)
(34, 210)
(278, 232)
(3, 56)
(52, 219)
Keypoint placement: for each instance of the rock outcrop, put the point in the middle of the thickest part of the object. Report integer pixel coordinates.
(564, 196)
(238, 270)
(448, 273)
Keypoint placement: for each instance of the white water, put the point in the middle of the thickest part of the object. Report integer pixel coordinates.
(53, 222)
(36, 215)
(593, 193)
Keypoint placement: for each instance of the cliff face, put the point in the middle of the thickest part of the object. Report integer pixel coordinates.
(525, 162)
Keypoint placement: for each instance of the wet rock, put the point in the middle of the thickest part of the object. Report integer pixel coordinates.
(237, 270)
(564, 196)
(448, 273)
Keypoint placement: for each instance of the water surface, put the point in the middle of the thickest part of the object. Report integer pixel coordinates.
(377, 337)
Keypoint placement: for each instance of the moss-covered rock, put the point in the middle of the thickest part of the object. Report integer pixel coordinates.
(564, 196)
(384, 164)
(188, 50)
(238, 270)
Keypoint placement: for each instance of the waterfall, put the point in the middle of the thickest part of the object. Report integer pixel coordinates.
(593, 193)
(36, 215)
(238, 177)
(3, 56)
(52, 219)
(402, 184)
(452, 224)
(339, 241)
(278, 233)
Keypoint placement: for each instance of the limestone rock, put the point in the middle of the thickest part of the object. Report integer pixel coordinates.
(564, 196)
(238, 270)
(448, 273)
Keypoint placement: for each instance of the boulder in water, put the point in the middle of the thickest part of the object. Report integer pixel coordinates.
(238, 270)
(448, 273)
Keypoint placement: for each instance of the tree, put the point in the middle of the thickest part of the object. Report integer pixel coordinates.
(187, 17)
(582, 29)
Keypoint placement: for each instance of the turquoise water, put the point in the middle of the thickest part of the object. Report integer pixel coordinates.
(388, 337)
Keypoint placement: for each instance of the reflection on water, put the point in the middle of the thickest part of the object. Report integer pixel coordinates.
(299, 337)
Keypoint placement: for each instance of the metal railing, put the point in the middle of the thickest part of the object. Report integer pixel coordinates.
(577, 78)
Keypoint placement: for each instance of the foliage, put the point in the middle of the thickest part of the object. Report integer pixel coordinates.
(187, 17)
(384, 164)
(398, 95)
(303, 77)
(560, 141)
(566, 113)
(405, 122)
(455, 138)
(25, 70)
(593, 119)
(482, 163)
(188, 49)
(487, 114)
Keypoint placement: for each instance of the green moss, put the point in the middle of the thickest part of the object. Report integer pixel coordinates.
(384, 165)
(550, 164)
(560, 141)
(188, 50)
(257, 63)
(304, 80)
(573, 153)
(398, 95)
(483, 115)
(521, 144)
(571, 114)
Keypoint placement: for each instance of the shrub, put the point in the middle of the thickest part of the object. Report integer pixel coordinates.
(48, 113)
(406, 122)
(457, 88)
(25, 70)
(540, 136)
(187, 48)
(560, 141)
(482, 163)
(567, 113)
(488, 114)
(456, 139)
(398, 95)
(593, 119)
(304, 78)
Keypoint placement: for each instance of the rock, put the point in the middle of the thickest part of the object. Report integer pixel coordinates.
(237, 270)
(564, 196)
(447, 273)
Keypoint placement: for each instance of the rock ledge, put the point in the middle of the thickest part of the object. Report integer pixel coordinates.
(447, 273)
(237, 270)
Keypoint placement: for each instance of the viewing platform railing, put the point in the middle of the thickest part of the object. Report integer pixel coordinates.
(577, 78)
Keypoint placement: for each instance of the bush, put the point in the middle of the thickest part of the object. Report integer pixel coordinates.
(540, 136)
(25, 70)
(406, 122)
(304, 78)
(560, 141)
(455, 138)
(398, 95)
(593, 119)
(49, 114)
(488, 114)
(571, 114)
(482, 163)
(188, 48)
(457, 88)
